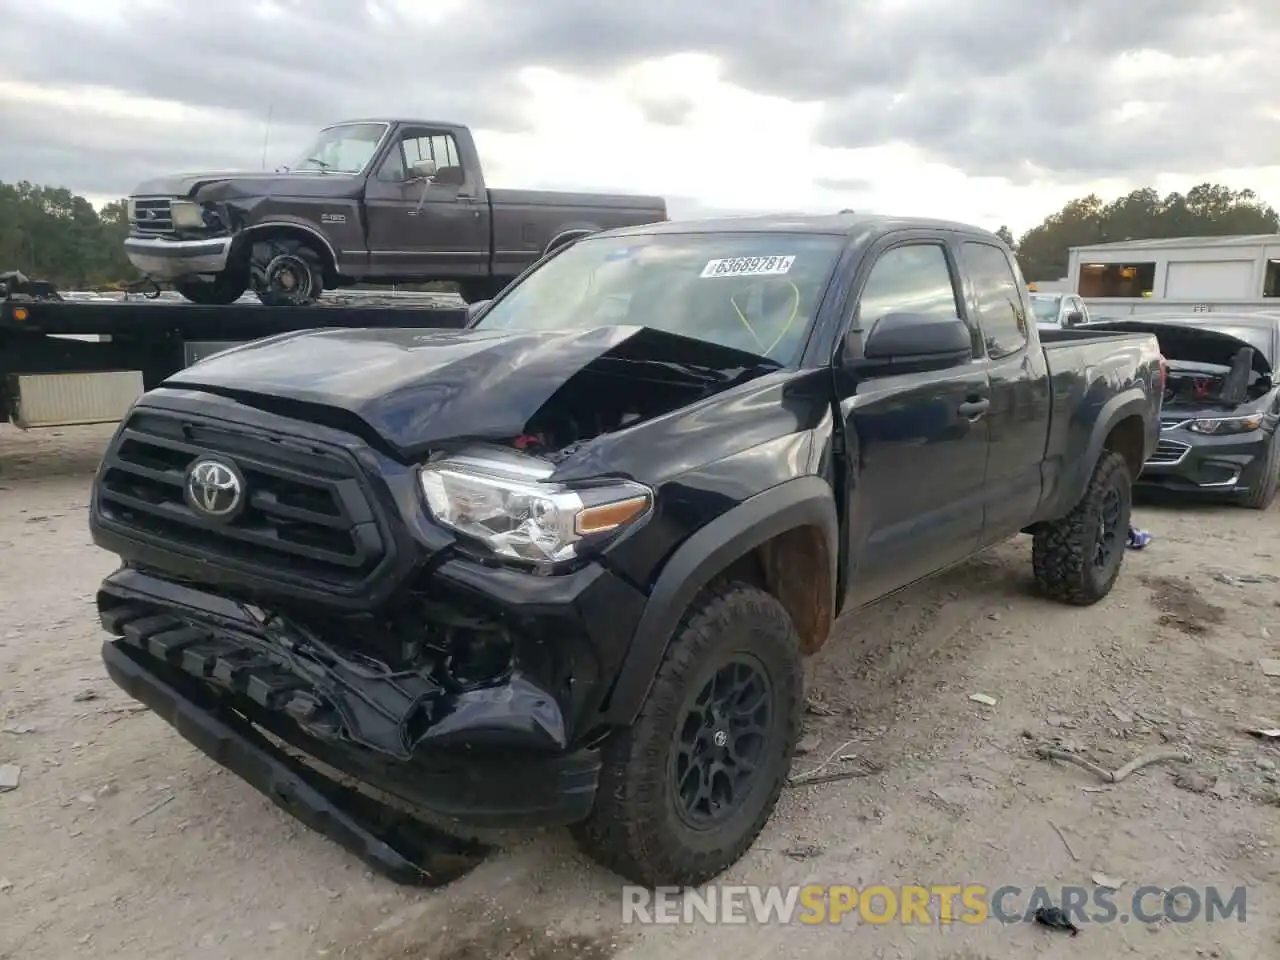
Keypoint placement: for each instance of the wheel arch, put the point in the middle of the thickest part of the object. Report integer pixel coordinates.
(297, 231)
(784, 540)
(1121, 426)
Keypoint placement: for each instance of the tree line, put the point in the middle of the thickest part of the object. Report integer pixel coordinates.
(50, 233)
(1206, 210)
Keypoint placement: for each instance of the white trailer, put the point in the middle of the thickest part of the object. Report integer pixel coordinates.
(1236, 274)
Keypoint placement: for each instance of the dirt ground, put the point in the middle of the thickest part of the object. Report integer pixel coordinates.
(122, 841)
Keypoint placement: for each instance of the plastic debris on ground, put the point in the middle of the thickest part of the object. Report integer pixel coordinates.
(1137, 538)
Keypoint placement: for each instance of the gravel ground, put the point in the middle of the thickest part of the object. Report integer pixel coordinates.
(122, 841)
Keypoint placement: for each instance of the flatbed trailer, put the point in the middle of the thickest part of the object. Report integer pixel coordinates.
(70, 361)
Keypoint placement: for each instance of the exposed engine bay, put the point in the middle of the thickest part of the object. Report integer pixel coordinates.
(1191, 383)
(612, 395)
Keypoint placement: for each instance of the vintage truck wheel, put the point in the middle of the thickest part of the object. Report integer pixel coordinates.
(1076, 559)
(286, 273)
(224, 289)
(688, 787)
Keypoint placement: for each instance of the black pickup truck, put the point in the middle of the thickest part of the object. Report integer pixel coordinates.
(370, 201)
(563, 566)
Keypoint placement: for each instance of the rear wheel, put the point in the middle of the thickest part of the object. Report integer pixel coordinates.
(286, 272)
(1076, 559)
(221, 290)
(1264, 491)
(688, 787)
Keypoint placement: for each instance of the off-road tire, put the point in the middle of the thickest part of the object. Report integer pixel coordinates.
(1261, 496)
(224, 289)
(265, 258)
(1062, 551)
(635, 829)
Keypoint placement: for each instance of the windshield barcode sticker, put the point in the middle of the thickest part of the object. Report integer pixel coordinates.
(747, 267)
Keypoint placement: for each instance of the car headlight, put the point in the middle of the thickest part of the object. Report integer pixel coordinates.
(1218, 426)
(131, 210)
(186, 214)
(505, 500)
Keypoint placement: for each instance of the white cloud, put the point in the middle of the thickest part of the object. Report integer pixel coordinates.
(712, 130)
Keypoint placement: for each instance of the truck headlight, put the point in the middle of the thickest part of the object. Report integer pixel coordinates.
(504, 500)
(1218, 426)
(186, 214)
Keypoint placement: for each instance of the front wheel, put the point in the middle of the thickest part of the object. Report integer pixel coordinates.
(1076, 559)
(286, 273)
(221, 290)
(688, 787)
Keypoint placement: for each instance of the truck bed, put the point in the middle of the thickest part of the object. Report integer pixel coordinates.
(1086, 369)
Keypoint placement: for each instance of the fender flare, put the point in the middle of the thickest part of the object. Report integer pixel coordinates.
(804, 501)
(1128, 403)
(246, 235)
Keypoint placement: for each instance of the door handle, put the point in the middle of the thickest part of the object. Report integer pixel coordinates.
(973, 409)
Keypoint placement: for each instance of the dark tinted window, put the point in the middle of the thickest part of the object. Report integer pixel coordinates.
(999, 300)
(909, 279)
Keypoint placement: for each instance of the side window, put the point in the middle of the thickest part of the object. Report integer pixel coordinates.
(440, 148)
(1000, 307)
(914, 278)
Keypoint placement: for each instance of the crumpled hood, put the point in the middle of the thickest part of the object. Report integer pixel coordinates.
(418, 388)
(1190, 341)
(250, 183)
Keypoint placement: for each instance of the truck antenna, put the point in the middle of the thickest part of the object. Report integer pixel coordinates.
(266, 136)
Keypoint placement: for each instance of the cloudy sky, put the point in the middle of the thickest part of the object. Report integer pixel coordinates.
(990, 111)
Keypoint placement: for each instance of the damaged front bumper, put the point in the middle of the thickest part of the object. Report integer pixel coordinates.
(1186, 462)
(163, 259)
(493, 754)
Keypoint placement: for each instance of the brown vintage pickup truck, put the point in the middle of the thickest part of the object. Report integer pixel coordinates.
(370, 201)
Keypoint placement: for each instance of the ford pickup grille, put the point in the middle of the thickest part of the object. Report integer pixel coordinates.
(152, 216)
(304, 514)
(1169, 451)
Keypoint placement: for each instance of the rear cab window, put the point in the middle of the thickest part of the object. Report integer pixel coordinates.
(997, 298)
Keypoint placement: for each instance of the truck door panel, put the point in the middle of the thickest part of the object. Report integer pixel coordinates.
(1020, 393)
(917, 463)
(415, 228)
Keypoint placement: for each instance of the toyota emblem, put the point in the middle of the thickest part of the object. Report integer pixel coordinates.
(215, 489)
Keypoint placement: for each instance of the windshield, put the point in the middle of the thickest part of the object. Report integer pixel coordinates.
(1046, 308)
(346, 148)
(752, 292)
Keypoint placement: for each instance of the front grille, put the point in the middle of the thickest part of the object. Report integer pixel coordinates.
(1169, 451)
(305, 510)
(152, 216)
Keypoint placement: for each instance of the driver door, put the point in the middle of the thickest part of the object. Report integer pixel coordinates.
(917, 461)
(436, 227)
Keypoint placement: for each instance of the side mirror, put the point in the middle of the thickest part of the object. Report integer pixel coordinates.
(918, 340)
(473, 309)
(1074, 317)
(422, 170)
